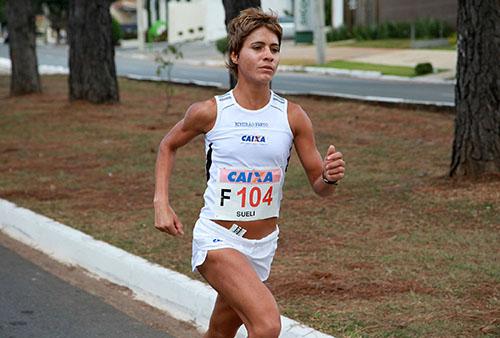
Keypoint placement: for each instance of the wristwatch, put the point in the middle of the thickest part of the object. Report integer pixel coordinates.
(328, 181)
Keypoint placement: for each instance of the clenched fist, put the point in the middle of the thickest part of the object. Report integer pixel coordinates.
(167, 221)
(333, 165)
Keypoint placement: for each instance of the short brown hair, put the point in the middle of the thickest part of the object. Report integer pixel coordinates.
(243, 25)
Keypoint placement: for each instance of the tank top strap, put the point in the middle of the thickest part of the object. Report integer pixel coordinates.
(279, 103)
(224, 101)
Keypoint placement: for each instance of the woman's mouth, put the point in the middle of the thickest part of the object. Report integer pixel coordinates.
(267, 68)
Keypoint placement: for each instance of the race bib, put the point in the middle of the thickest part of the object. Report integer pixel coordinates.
(247, 194)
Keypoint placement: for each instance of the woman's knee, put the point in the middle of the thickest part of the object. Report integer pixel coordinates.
(223, 324)
(268, 328)
(221, 332)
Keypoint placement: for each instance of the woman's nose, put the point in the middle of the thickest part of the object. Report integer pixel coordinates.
(268, 54)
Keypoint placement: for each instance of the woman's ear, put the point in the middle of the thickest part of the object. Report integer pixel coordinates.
(234, 58)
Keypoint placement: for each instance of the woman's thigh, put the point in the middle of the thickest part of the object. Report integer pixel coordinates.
(230, 273)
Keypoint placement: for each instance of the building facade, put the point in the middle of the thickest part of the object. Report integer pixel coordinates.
(369, 12)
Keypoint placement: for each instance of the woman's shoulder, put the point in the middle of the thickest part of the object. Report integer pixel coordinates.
(203, 108)
(201, 115)
(297, 117)
(295, 108)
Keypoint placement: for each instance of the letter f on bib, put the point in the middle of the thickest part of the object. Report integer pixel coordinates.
(223, 196)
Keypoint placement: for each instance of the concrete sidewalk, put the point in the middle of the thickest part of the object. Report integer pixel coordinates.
(205, 53)
(442, 59)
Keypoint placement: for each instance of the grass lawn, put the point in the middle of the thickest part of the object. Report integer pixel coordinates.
(383, 43)
(353, 65)
(384, 69)
(400, 251)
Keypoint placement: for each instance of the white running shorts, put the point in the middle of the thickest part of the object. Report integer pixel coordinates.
(208, 235)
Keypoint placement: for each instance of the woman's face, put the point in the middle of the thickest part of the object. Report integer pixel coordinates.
(259, 56)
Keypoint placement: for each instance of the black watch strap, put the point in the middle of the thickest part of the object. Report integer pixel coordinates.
(329, 182)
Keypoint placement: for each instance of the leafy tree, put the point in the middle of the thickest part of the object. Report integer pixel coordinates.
(22, 47)
(165, 62)
(476, 148)
(92, 71)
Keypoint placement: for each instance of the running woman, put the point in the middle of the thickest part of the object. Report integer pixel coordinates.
(249, 133)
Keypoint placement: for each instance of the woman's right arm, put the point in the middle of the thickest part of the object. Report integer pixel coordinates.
(199, 118)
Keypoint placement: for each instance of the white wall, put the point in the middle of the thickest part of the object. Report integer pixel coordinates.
(208, 14)
(163, 10)
(215, 15)
(214, 20)
(337, 13)
(186, 20)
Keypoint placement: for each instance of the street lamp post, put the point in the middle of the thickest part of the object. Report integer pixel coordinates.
(319, 31)
(141, 29)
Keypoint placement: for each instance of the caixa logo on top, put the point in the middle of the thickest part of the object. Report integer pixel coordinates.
(256, 139)
(228, 175)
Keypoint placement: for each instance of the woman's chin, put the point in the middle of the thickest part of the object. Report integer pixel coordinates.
(265, 78)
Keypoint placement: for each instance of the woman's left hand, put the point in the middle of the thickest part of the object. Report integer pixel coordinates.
(333, 165)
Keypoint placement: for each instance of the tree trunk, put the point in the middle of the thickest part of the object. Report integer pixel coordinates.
(233, 9)
(476, 148)
(92, 73)
(22, 45)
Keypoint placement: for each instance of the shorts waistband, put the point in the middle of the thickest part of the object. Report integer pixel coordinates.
(223, 231)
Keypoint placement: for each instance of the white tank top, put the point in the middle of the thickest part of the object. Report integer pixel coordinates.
(247, 156)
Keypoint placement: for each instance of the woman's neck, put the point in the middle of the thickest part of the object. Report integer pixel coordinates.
(251, 96)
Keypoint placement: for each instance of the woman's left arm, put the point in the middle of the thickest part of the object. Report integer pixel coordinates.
(330, 168)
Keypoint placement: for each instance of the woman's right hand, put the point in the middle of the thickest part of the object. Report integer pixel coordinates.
(167, 221)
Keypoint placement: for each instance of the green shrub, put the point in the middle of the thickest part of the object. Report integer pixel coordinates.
(338, 34)
(424, 29)
(384, 30)
(222, 45)
(402, 30)
(153, 33)
(372, 32)
(432, 29)
(360, 33)
(423, 68)
(448, 30)
(452, 39)
(116, 32)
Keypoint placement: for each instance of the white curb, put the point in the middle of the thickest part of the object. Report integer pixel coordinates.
(183, 298)
(173, 80)
(383, 99)
(42, 69)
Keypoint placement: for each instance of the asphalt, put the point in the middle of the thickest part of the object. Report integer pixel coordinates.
(140, 65)
(34, 303)
(199, 52)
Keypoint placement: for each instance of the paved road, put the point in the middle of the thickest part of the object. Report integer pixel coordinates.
(290, 82)
(34, 303)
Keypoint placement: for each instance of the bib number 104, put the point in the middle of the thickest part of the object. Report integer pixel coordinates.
(253, 196)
